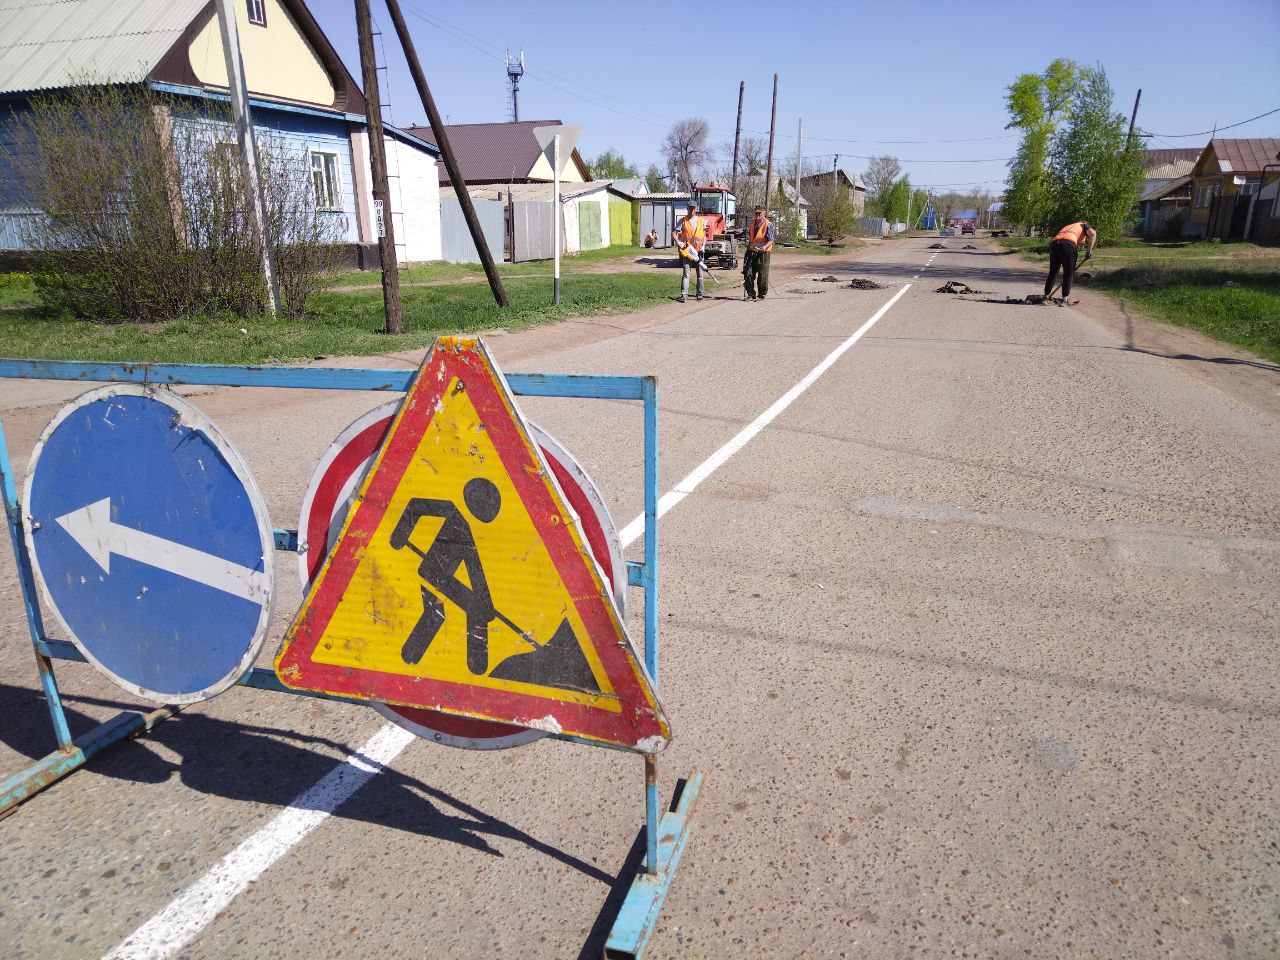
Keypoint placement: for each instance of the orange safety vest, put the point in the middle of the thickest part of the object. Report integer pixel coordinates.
(759, 236)
(693, 232)
(1073, 232)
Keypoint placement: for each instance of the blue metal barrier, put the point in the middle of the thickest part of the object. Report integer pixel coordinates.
(665, 835)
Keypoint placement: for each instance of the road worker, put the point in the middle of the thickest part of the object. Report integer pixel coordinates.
(690, 236)
(1063, 250)
(755, 264)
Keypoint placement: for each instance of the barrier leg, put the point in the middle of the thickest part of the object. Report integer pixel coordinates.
(26, 580)
(638, 917)
(58, 764)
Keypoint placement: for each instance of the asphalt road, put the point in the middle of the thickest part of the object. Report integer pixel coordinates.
(975, 645)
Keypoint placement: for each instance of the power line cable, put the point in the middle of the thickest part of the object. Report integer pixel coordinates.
(1182, 136)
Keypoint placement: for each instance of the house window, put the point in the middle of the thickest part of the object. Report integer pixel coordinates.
(257, 12)
(1249, 187)
(1206, 193)
(324, 180)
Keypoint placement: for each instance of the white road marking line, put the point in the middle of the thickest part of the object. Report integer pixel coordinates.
(690, 483)
(177, 924)
(181, 921)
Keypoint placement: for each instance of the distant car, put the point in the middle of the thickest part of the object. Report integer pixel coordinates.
(967, 227)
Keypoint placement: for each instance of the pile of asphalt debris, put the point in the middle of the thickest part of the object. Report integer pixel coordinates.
(968, 246)
(857, 283)
(937, 246)
(955, 286)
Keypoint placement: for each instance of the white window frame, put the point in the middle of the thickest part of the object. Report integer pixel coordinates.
(257, 10)
(333, 202)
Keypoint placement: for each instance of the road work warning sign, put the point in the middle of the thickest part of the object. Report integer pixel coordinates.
(462, 582)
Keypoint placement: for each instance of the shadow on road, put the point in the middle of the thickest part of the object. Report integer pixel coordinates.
(1227, 361)
(259, 764)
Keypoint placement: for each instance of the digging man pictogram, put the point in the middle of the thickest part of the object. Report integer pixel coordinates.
(559, 662)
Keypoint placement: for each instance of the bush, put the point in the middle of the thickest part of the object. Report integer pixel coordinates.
(144, 214)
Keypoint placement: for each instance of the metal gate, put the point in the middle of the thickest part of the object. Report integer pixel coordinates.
(590, 237)
(656, 217)
(531, 230)
(455, 239)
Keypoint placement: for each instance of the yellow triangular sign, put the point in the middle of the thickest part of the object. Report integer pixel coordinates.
(462, 582)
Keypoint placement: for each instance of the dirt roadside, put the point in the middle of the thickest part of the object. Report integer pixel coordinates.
(1238, 373)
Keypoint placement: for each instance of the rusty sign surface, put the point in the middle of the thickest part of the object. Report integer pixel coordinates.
(462, 582)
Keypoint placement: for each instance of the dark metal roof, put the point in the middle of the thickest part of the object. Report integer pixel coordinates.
(1246, 156)
(1161, 156)
(494, 152)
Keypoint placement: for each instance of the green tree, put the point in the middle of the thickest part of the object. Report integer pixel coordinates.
(880, 176)
(833, 216)
(610, 165)
(1093, 173)
(654, 180)
(1038, 103)
(892, 203)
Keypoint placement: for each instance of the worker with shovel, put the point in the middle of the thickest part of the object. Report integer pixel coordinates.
(690, 236)
(1062, 254)
(755, 264)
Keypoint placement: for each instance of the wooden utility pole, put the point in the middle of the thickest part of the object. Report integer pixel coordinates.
(243, 121)
(378, 164)
(799, 166)
(768, 167)
(450, 161)
(737, 137)
(1133, 117)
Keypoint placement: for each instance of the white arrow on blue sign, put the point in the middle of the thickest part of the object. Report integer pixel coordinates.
(152, 542)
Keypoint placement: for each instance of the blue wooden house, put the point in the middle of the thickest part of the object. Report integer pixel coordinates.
(301, 95)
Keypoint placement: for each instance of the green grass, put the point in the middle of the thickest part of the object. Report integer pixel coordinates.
(820, 248)
(336, 324)
(1230, 291)
(436, 270)
(1239, 305)
(17, 290)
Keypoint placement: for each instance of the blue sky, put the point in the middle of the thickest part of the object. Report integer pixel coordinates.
(856, 73)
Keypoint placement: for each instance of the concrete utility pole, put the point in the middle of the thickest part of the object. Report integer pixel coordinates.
(799, 165)
(378, 164)
(768, 167)
(1133, 117)
(243, 121)
(446, 151)
(737, 137)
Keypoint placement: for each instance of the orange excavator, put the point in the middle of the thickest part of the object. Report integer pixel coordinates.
(719, 208)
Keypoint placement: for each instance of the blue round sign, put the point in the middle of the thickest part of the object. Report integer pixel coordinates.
(152, 542)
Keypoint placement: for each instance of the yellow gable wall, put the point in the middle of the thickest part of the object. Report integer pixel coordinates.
(278, 60)
(542, 171)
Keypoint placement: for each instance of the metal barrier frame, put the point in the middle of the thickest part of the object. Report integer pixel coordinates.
(665, 834)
